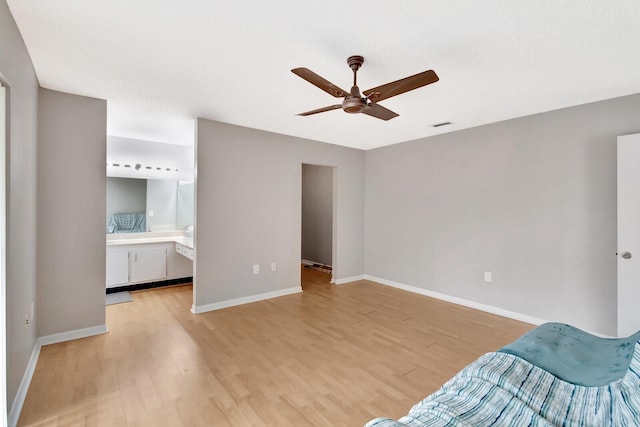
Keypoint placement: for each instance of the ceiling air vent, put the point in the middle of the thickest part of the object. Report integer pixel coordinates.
(437, 125)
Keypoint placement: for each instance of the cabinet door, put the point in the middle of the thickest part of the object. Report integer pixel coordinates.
(148, 264)
(117, 266)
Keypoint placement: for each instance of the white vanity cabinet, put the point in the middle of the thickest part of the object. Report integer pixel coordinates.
(147, 264)
(131, 263)
(117, 266)
(185, 249)
(135, 264)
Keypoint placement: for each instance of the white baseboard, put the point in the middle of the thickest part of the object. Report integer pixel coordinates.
(197, 309)
(307, 262)
(349, 279)
(73, 335)
(21, 395)
(459, 301)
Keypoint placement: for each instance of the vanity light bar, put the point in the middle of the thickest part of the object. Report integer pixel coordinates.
(138, 166)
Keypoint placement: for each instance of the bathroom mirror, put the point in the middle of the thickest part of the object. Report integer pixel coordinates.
(148, 205)
(185, 204)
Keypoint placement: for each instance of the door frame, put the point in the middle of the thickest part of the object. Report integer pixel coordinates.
(4, 138)
(334, 216)
(627, 316)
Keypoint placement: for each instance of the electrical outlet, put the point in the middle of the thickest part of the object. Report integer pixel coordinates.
(273, 266)
(487, 276)
(26, 320)
(256, 269)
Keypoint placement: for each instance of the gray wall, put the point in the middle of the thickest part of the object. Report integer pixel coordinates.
(17, 69)
(532, 200)
(317, 213)
(72, 206)
(126, 195)
(248, 209)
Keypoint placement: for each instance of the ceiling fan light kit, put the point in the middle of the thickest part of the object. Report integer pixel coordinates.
(353, 101)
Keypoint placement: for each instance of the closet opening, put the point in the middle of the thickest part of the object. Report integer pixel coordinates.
(318, 252)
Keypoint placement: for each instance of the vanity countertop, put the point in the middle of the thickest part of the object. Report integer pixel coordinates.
(142, 240)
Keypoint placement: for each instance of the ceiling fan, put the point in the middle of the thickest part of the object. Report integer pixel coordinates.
(354, 102)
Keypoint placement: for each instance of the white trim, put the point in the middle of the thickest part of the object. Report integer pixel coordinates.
(197, 309)
(3, 253)
(73, 335)
(18, 401)
(350, 279)
(459, 301)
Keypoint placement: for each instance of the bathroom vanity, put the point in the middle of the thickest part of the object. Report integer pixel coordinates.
(135, 260)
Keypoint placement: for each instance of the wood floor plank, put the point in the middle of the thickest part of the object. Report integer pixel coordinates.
(330, 356)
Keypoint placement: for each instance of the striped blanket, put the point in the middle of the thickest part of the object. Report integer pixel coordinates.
(127, 223)
(501, 389)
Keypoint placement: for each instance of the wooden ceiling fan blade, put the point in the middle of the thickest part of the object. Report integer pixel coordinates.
(321, 110)
(320, 82)
(379, 112)
(401, 86)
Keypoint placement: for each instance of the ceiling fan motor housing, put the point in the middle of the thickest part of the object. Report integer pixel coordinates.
(354, 104)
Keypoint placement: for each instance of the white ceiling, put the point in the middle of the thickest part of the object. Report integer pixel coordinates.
(160, 64)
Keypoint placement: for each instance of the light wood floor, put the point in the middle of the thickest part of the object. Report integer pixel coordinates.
(330, 356)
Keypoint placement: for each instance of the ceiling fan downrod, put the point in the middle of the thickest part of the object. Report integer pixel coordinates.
(354, 103)
(355, 62)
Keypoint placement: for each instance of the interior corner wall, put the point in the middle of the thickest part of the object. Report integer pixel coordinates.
(532, 200)
(317, 213)
(72, 212)
(17, 69)
(248, 192)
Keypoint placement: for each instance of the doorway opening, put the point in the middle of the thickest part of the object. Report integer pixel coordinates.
(318, 221)
(150, 211)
